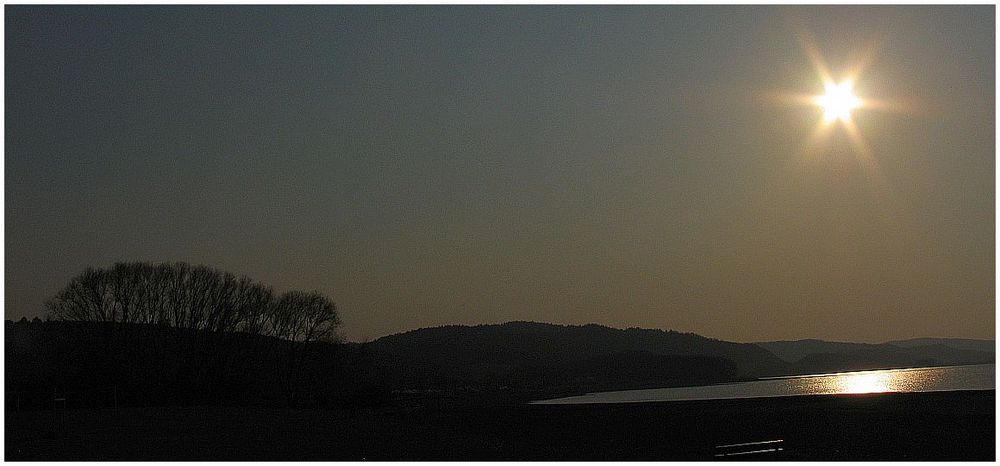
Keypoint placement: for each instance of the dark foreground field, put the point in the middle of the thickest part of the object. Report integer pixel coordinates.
(944, 426)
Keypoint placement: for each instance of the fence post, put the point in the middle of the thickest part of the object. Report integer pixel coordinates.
(58, 415)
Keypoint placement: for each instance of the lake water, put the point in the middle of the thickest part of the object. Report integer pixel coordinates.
(926, 379)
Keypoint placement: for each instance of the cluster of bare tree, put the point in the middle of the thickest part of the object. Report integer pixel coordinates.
(194, 333)
(194, 297)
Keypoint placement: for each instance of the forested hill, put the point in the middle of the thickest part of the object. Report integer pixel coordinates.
(532, 344)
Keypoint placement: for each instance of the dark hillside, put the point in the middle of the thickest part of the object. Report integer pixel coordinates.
(95, 364)
(523, 347)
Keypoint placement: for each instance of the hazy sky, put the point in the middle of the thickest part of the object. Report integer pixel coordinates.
(628, 166)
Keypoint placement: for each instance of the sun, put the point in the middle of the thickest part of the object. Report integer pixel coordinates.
(838, 101)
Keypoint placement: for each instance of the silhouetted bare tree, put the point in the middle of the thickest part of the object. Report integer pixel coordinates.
(196, 298)
(221, 321)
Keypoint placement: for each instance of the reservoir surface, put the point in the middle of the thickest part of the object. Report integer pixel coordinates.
(925, 379)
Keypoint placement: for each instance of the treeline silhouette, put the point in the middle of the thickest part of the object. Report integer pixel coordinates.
(150, 365)
(193, 297)
(173, 333)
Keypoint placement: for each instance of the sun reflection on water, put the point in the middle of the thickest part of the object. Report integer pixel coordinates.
(871, 382)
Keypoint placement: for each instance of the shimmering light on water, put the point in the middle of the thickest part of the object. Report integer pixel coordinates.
(929, 379)
(864, 383)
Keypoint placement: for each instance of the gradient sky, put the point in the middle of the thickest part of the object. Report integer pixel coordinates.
(424, 166)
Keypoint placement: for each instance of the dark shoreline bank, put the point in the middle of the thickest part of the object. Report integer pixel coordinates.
(898, 426)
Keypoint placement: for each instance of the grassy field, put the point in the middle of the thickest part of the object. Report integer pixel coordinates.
(935, 426)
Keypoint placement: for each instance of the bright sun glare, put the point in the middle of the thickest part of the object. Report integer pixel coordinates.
(838, 101)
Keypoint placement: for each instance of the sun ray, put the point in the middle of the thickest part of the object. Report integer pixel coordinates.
(868, 162)
(820, 134)
(788, 98)
(897, 106)
(863, 60)
(815, 57)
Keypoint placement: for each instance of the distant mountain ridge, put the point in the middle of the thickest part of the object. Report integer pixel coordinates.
(810, 356)
(794, 350)
(957, 343)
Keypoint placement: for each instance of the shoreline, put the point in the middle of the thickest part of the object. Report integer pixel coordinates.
(551, 402)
